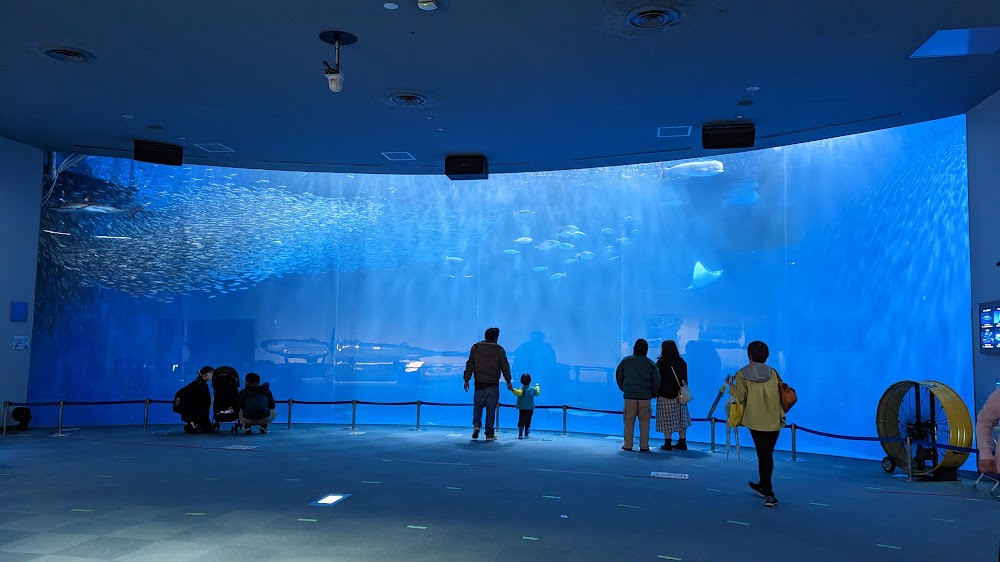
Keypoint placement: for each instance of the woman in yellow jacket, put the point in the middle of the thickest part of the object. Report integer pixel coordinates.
(756, 388)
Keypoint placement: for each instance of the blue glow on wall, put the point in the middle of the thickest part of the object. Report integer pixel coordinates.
(849, 257)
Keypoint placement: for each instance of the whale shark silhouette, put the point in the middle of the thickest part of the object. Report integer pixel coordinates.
(702, 277)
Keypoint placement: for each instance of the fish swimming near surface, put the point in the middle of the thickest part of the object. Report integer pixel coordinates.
(511, 252)
(702, 277)
(571, 260)
(698, 169)
(523, 240)
(539, 269)
(524, 212)
(586, 255)
(558, 276)
(609, 231)
(89, 206)
(454, 259)
(310, 350)
(565, 246)
(548, 245)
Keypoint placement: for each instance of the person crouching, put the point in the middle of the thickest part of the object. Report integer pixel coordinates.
(256, 403)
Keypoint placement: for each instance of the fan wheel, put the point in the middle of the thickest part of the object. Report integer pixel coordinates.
(923, 411)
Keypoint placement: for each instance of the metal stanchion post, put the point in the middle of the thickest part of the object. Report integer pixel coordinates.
(565, 409)
(6, 405)
(909, 459)
(793, 442)
(712, 423)
(145, 416)
(354, 415)
(418, 415)
(290, 402)
(59, 427)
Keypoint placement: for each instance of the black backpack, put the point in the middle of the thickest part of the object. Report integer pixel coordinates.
(180, 401)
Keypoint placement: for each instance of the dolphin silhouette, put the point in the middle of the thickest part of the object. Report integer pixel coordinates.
(702, 277)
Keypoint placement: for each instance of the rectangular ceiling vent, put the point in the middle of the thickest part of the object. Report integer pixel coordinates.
(960, 43)
(672, 132)
(214, 147)
(398, 156)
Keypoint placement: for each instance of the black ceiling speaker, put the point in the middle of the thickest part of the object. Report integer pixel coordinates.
(158, 153)
(727, 135)
(467, 167)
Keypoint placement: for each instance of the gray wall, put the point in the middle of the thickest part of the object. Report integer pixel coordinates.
(983, 124)
(20, 189)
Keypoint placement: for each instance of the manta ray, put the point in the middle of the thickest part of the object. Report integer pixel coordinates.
(702, 277)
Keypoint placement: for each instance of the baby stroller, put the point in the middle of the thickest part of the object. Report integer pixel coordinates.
(226, 384)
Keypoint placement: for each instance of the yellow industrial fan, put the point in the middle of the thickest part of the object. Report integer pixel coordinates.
(924, 411)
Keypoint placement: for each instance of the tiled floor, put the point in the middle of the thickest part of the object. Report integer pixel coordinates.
(124, 494)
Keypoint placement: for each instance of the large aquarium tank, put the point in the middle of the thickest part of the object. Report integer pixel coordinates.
(849, 257)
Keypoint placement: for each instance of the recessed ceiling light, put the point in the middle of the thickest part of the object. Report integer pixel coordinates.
(960, 43)
(676, 131)
(398, 156)
(67, 54)
(652, 17)
(390, 5)
(407, 99)
(214, 147)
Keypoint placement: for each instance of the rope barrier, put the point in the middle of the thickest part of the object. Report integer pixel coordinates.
(849, 437)
(540, 407)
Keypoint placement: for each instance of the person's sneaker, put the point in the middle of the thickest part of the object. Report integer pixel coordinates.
(249, 430)
(756, 488)
(189, 428)
(263, 429)
(666, 446)
(526, 432)
(624, 448)
(643, 450)
(770, 501)
(682, 445)
(491, 437)
(475, 432)
(520, 433)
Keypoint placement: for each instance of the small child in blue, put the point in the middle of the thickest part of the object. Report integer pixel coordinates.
(525, 405)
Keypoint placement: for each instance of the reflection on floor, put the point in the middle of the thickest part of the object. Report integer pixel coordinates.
(122, 494)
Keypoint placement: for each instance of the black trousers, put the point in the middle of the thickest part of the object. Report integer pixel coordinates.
(524, 418)
(765, 441)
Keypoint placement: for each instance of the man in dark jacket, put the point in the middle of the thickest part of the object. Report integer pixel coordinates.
(196, 403)
(256, 403)
(487, 361)
(639, 380)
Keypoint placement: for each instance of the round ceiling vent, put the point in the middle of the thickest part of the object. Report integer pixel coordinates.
(407, 100)
(64, 54)
(653, 17)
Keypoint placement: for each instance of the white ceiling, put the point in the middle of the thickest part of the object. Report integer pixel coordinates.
(532, 84)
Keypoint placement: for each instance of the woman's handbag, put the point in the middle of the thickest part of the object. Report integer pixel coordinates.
(786, 394)
(684, 394)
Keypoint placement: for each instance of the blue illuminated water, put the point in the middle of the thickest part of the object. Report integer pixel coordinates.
(849, 257)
